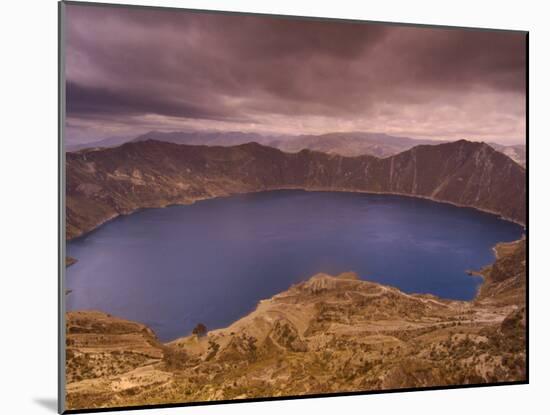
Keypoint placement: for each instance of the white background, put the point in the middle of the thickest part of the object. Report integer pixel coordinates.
(28, 174)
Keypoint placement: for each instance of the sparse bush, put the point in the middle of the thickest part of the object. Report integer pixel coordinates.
(200, 330)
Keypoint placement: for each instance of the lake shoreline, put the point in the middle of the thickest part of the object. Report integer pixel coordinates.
(191, 201)
(420, 296)
(426, 218)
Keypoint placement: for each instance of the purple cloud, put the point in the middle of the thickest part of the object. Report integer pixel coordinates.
(130, 70)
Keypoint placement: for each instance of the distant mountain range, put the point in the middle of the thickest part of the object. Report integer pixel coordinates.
(105, 183)
(345, 144)
(103, 143)
(517, 152)
(352, 144)
(209, 138)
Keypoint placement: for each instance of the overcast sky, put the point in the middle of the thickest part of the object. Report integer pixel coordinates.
(132, 70)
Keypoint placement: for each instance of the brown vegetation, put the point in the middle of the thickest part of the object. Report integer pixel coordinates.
(328, 334)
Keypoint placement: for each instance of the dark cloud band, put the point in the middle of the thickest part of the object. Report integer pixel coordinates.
(274, 73)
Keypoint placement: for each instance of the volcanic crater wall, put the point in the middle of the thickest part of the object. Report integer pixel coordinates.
(105, 183)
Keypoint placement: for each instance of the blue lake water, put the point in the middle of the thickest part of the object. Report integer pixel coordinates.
(212, 262)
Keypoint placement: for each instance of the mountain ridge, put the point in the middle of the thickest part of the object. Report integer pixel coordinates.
(350, 144)
(105, 183)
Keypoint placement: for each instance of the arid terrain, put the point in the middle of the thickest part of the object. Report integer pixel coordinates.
(327, 334)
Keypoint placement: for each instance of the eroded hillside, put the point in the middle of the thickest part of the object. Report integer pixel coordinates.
(327, 334)
(105, 183)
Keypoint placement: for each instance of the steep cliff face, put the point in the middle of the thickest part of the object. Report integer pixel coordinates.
(504, 280)
(105, 183)
(326, 334)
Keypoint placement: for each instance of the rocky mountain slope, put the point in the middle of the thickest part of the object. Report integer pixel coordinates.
(378, 145)
(105, 183)
(327, 334)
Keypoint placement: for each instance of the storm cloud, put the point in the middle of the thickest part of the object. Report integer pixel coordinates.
(130, 70)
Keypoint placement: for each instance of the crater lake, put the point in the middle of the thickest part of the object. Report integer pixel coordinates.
(212, 261)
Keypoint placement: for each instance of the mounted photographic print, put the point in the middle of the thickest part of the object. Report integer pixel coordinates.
(260, 207)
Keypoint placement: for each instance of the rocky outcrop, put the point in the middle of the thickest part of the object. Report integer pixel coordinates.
(105, 183)
(504, 280)
(327, 334)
